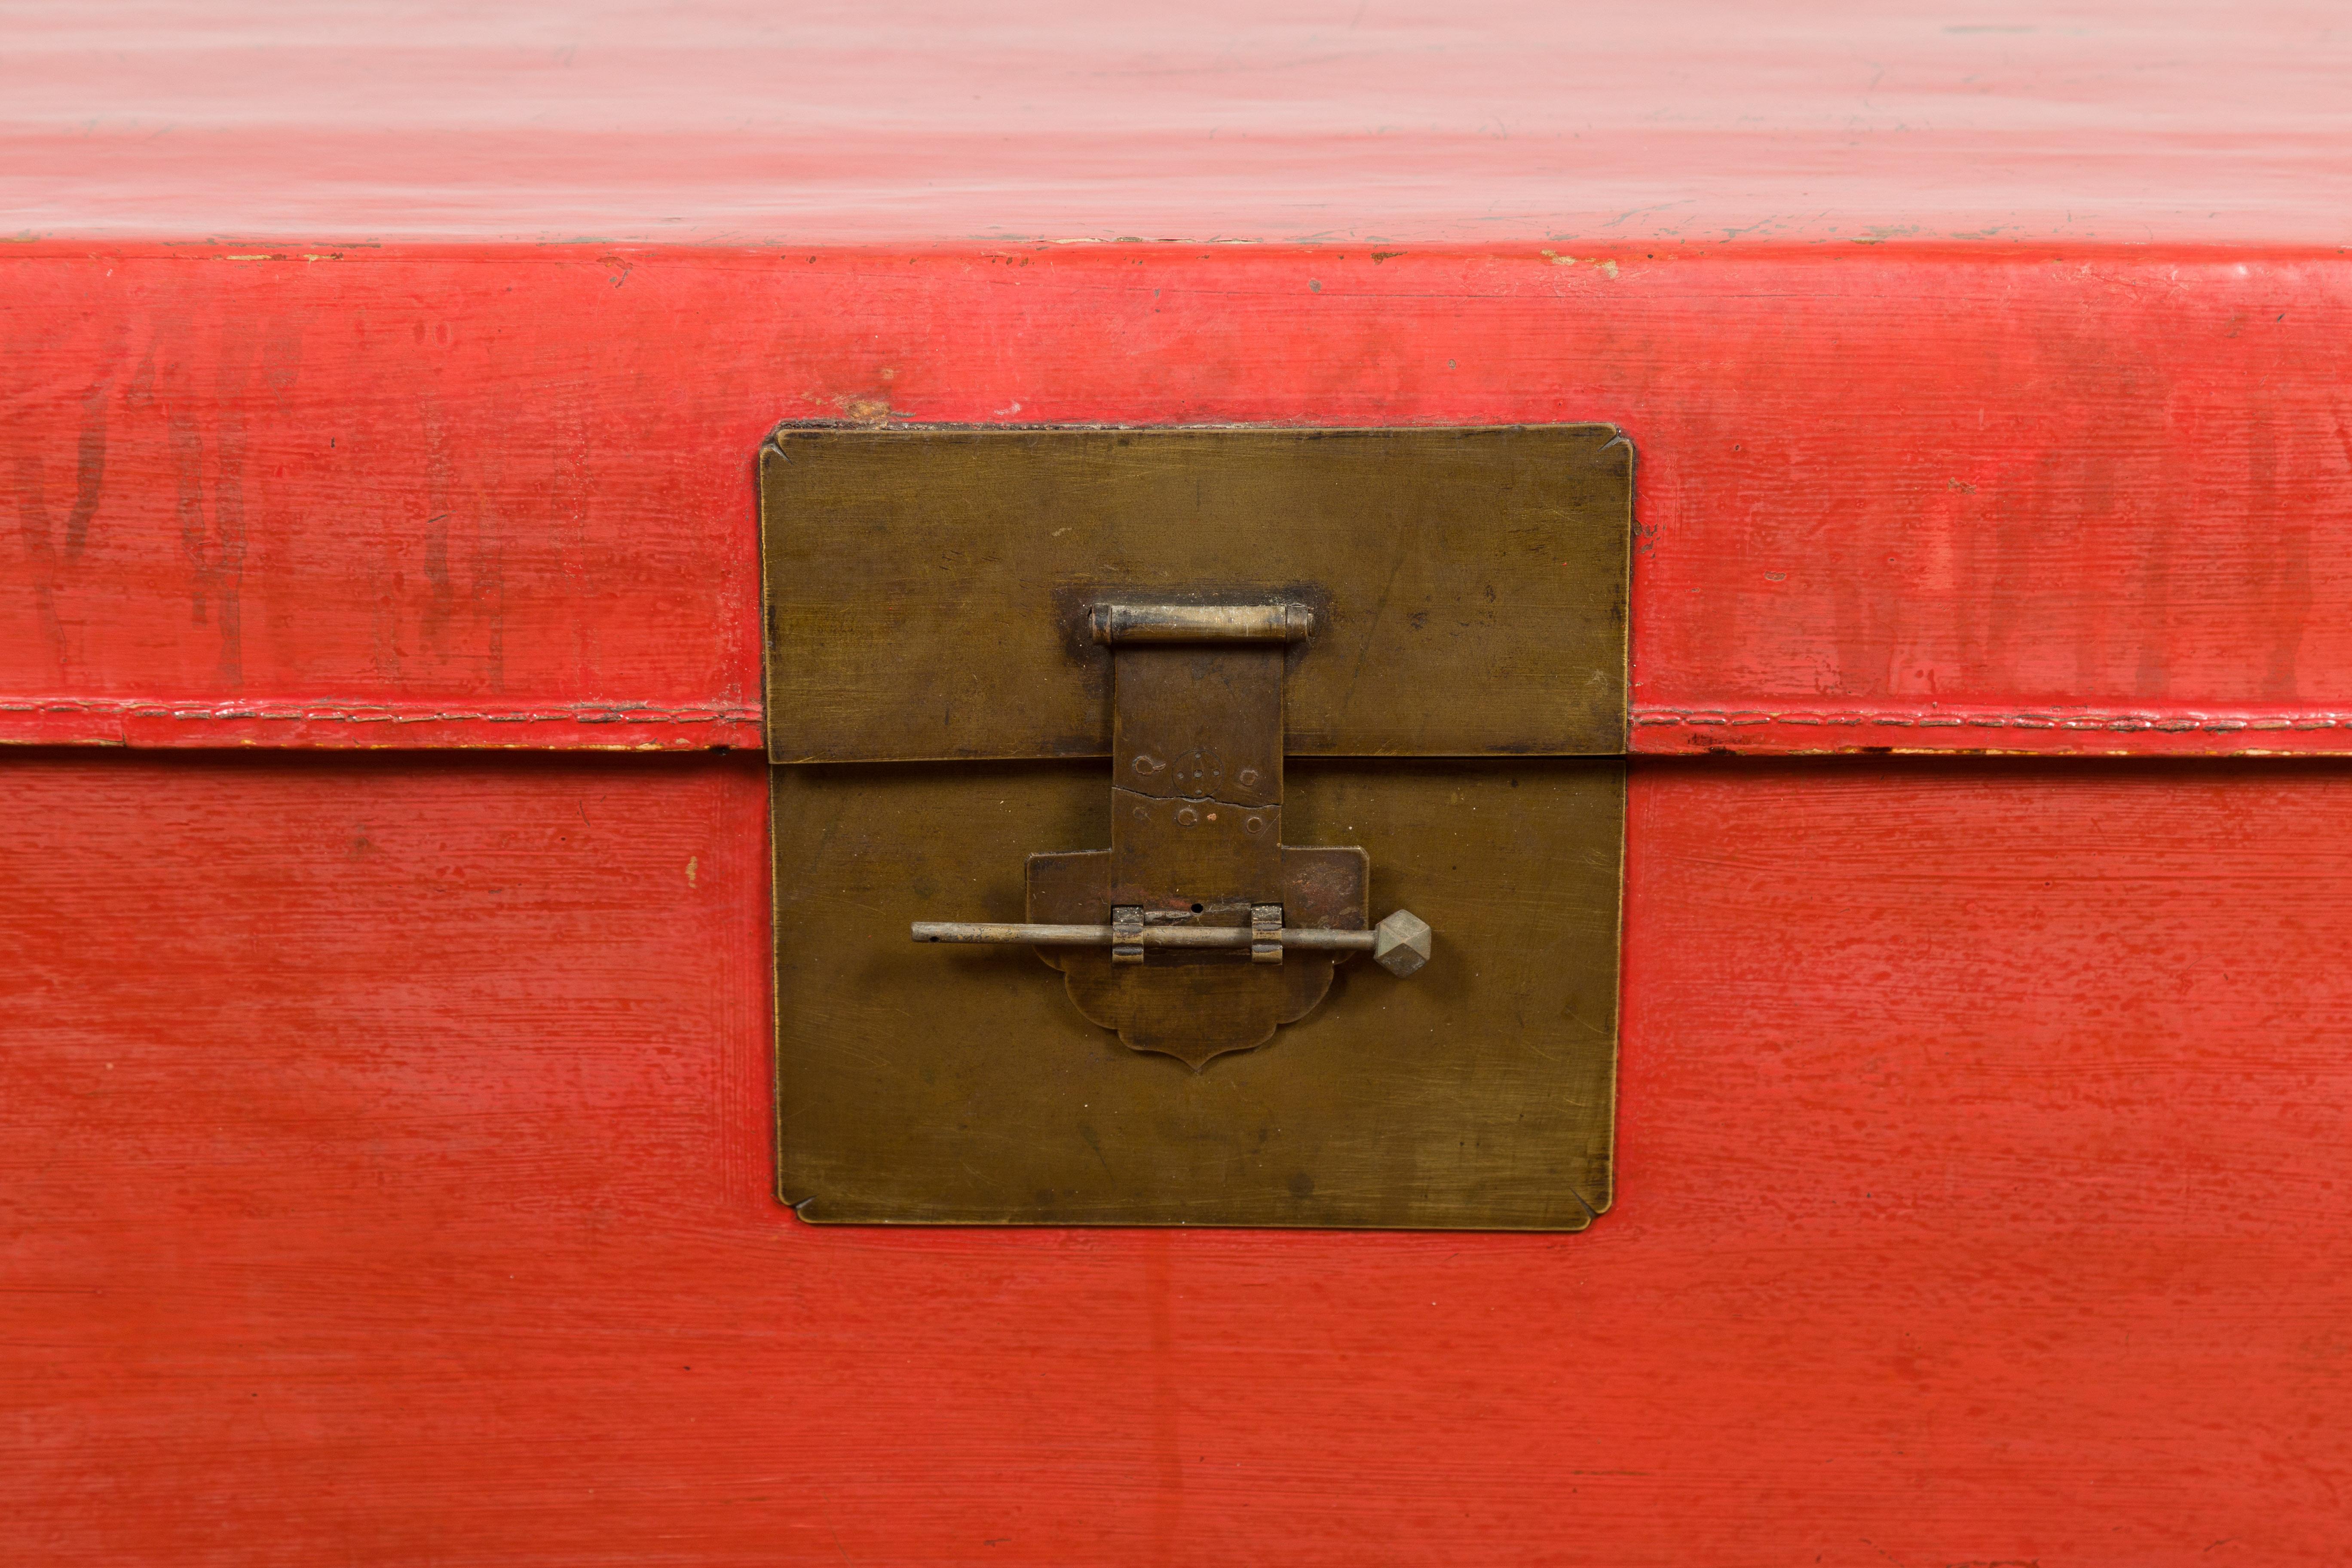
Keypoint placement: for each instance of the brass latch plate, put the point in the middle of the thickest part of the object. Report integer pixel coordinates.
(941, 696)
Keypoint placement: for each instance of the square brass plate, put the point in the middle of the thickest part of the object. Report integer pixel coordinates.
(940, 714)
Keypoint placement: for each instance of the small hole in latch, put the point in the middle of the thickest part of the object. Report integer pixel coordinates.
(1196, 909)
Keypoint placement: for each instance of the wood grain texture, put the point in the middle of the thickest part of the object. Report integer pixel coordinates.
(2098, 489)
(1404, 122)
(1980, 1201)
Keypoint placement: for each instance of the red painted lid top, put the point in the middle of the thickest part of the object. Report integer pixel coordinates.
(1423, 120)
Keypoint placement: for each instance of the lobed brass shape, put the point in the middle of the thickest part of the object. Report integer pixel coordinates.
(1197, 884)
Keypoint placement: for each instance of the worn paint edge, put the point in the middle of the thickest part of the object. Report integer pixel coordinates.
(2218, 730)
(151, 724)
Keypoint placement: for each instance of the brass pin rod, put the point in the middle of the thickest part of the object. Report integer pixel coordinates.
(1151, 936)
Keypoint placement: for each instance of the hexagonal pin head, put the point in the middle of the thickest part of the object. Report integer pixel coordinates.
(1401, 943)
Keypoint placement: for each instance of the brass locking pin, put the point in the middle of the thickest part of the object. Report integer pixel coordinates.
(1399, 943)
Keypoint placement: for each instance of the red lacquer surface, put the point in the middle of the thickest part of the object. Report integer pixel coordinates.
(1966, 499)
(384, 1172)
(1446, 122)
(387, 1181)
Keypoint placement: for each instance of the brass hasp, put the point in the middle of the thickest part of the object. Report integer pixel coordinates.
(1199, 932)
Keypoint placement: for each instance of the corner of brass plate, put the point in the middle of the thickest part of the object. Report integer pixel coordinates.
(1361, 673)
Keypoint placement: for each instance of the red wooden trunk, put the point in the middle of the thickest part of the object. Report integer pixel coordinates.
(384, 1135)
